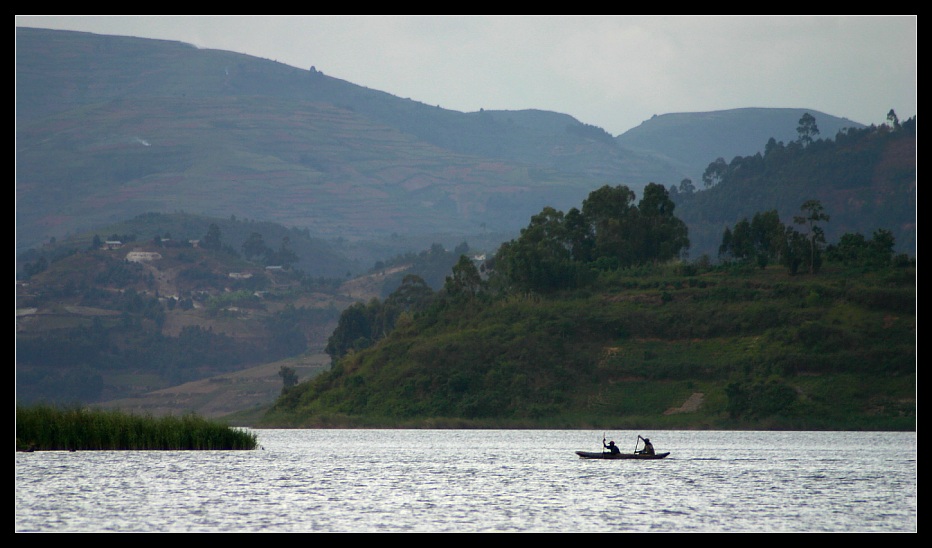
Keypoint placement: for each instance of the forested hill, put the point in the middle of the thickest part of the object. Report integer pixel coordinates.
(690, 140)
(865, 179)
(584, 321)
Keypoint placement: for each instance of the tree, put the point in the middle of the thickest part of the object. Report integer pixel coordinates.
(211, 240)
(289, 377)
(715, 172)
(772, 147)
(762, 239)
(738, 243)
(353, 332)
(853, 249)
(894, 121)
(881, 247)
(612, 213)
(661, 236)
(767, 235)
(539, 259)
(807, 130)
(413, 295)
(579, 235)
(254, 246)
(794, 251)
(465, 281)
(814, 213)
(687, 187)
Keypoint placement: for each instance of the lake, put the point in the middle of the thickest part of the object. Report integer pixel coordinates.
(482, 481)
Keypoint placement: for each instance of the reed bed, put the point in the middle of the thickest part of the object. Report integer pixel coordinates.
(49, 428)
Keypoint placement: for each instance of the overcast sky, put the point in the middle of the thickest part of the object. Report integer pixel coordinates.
(609, 71)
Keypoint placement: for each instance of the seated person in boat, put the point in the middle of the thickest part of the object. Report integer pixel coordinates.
(648, 447)
(612, 448)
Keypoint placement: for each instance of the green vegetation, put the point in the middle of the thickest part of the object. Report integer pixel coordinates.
(49, 428)
(594, 316)
(765, 350)
(624, 336)
(861, 175)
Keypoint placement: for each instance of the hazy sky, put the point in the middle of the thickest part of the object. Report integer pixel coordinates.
(609, 71)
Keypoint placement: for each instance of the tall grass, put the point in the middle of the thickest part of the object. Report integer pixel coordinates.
(49, 428)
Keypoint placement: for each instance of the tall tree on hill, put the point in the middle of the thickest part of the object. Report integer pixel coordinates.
(464, 282)
(893, 119)
(814, 214)
(807, 129)
(612, 213)
(715, 172)
(539, 259)
(767, 234)
(662, 236)
(289, 378)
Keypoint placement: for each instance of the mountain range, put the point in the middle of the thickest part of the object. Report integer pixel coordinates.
(110, 127)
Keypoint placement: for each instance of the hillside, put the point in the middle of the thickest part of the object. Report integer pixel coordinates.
(690, 141)
(866, 179)
(115, 321)
(109, 128)
(327, 195)
(666, 347)
(593, 318)
(144, 125)
(243, 396)
(154, 305)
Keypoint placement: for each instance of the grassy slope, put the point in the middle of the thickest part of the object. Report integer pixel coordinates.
(642, 352)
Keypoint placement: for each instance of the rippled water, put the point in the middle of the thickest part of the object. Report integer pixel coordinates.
(481, 481)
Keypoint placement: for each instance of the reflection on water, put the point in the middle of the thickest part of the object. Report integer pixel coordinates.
(481, 480)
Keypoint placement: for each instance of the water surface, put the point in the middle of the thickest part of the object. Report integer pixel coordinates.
(481, 481)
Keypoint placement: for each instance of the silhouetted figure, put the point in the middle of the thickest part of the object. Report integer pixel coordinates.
(612, 448)
(648, 447)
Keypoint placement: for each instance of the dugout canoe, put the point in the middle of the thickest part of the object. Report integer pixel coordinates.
(614, 456)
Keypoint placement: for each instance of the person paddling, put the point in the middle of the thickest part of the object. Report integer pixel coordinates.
(612, 448)
(648, 447)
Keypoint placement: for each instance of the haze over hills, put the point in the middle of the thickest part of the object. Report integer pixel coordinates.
(112, 127)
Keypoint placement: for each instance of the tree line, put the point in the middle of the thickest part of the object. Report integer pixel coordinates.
(558, 251)
(765, 239)
(610, 231)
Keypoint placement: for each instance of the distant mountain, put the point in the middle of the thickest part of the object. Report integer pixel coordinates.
(109, 128)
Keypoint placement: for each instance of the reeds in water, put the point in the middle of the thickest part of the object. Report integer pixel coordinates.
(49, 428)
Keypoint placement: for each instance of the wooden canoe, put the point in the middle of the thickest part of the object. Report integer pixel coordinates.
(607, 455)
